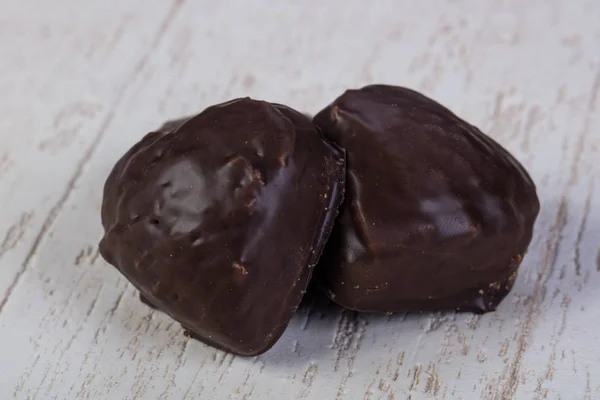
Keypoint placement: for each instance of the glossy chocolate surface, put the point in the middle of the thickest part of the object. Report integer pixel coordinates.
(437, 215)
(219, 219)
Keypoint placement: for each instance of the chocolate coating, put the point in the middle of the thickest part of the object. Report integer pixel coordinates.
(219, 219)
(437, 215)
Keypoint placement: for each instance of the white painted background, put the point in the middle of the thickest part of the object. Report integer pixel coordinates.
(81, 81)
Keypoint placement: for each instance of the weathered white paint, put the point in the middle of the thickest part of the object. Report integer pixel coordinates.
(81, 81)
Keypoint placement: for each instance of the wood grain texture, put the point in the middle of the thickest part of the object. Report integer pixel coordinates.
(82, 81)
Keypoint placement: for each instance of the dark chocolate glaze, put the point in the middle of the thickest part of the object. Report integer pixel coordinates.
(437, 215)
(219, 219)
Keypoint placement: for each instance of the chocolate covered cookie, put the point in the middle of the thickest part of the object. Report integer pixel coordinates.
(437, 215)
(218, 219)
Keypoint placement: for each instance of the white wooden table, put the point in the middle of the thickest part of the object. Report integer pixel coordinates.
(80, 81)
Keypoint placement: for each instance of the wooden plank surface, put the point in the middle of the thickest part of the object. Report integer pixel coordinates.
(82, 81)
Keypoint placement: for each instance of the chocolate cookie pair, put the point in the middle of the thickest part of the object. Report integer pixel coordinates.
(221, 219)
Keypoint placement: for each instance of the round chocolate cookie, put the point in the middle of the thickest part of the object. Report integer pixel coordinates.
(437, 215)
(219, 219)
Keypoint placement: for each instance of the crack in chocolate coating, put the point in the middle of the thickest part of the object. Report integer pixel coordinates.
(437, 215)
(219, 219)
